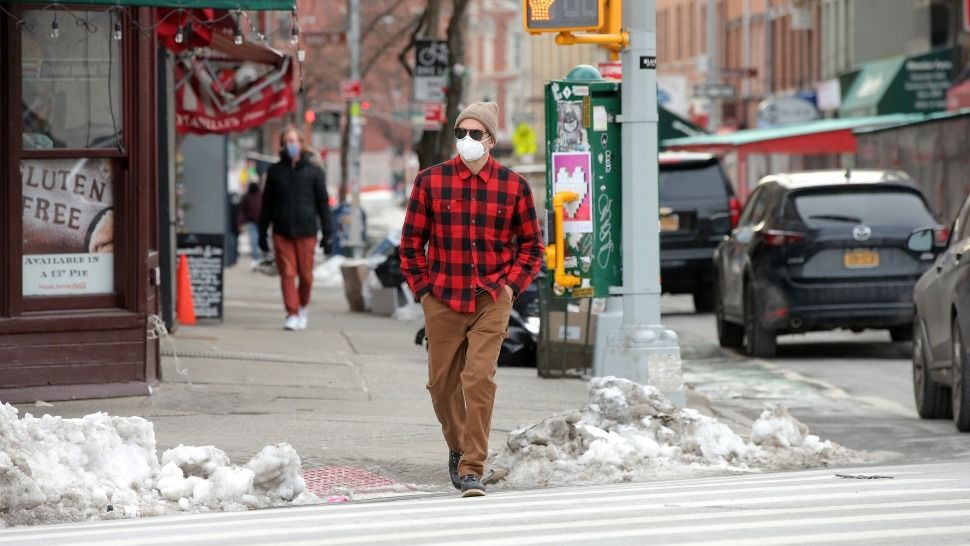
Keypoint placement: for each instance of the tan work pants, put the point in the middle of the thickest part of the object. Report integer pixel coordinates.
(463, 351)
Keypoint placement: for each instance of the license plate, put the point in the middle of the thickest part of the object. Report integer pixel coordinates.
(861, 259)
(670, 222)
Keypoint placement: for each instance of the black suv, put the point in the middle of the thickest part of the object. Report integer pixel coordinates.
(697, 209)
(822, 250)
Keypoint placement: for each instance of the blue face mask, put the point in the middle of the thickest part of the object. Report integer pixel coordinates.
(292, 149)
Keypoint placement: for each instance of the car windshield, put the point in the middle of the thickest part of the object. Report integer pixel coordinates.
(873, 207)
(678, 183)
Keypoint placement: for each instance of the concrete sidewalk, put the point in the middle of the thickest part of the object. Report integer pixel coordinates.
(350, 390)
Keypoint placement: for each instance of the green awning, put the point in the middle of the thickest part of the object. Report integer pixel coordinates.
(259, 5)
(670, 125)
(900, 85)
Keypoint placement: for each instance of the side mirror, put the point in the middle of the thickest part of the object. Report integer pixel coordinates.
(921, 240)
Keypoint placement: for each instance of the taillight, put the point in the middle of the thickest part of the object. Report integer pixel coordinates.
(940, 236)
(774, 237)
(734, 206)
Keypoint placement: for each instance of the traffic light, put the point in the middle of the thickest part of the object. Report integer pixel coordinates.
(564, 15)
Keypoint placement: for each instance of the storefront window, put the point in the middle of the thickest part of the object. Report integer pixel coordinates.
(71, 79)
(68, 226)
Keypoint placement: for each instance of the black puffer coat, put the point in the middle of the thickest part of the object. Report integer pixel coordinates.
(294, 199)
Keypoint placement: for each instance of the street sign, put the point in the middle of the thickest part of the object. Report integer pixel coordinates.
(327, 120)
(434, 116)
(351, 90)
(564, 15)
(524, 140)
(715, 91)
(430, 69)
(781, 111)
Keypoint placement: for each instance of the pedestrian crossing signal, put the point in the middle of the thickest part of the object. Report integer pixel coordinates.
(564, 15)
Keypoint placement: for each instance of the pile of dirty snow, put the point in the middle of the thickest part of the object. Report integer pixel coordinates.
(328, 272)
(103, 467)
(630, 432)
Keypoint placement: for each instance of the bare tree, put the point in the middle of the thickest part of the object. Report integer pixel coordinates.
(436, 146)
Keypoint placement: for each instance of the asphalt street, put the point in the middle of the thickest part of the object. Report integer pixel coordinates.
(853, 388)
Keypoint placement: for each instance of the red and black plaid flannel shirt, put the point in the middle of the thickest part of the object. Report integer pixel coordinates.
(482, 232)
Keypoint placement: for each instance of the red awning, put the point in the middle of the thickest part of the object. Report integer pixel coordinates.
(218, 97)
(958, 97)
(221, 87)
(832, 142)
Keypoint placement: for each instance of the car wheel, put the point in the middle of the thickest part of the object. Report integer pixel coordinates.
(759, 341)
(729, 335)
(960, 392)
(901, 333)
(931, 397)
(704, 299)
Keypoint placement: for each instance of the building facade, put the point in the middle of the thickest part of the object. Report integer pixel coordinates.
(784, 48)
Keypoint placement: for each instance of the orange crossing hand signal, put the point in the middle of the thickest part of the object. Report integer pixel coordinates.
(564, 15)
(540, 9)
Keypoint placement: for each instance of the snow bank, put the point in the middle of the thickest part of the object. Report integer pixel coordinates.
(328, 273)
(103, 467)
(629, 432)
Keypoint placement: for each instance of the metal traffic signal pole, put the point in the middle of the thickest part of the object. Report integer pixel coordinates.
(355, 239)
(642, 350)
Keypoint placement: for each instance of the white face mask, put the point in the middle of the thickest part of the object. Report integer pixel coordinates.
(469, 149)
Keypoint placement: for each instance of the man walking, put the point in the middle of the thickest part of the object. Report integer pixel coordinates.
(479, 222)
(294, 197)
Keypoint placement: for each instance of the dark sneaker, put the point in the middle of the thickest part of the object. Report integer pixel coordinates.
(471, 486)
(454, 457)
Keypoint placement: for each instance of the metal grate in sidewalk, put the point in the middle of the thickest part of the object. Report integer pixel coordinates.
(324, 480)
(252, 357)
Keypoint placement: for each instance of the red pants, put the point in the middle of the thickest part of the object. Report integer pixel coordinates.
(294, 258)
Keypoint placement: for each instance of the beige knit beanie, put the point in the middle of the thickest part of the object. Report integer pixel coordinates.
(485, 113)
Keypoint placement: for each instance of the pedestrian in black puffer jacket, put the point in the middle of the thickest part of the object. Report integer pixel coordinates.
(294, 199)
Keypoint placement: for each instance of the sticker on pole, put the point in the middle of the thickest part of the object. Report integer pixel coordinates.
(572, 172)
(648, 63)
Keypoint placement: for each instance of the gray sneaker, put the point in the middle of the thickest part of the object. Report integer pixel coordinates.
(471, 486)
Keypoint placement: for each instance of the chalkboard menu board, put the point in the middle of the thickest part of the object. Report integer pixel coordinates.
(205, 256)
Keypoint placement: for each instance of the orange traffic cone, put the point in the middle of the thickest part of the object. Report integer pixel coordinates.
(184, 308)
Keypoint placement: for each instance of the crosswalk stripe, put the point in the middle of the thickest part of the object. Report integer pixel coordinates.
(585, 510)
(458, 512)
(585, 491)
(961, 531)
(643, 520)
(496, 502)
(702, 529)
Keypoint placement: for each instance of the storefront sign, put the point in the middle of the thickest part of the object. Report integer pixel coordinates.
(205, 257)
(208, 101)
(927, 80)
(68, 226)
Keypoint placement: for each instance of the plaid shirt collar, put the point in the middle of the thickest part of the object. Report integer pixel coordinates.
(485, 174)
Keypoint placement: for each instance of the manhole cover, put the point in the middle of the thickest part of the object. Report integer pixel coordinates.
(322, 480)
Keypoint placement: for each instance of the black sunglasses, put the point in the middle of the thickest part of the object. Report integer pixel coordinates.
(476, 134)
